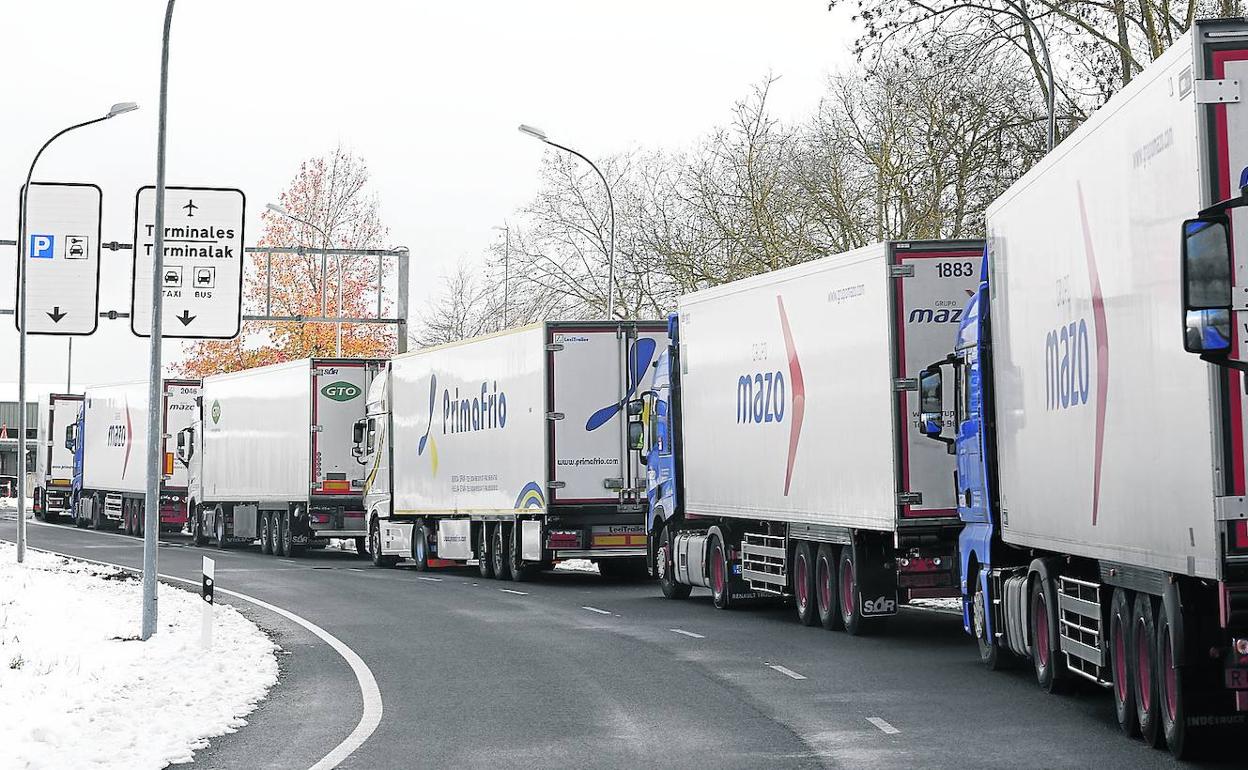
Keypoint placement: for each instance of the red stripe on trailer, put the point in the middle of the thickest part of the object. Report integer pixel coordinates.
(1235, 384)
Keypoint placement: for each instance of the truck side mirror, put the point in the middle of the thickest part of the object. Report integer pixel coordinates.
(1207, 286)
(636, 436)
(932, 405)
(357, 434)
(186, 445)
(635, 408)
(69, 437)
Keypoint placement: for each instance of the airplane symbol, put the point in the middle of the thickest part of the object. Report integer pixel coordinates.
(190, 208)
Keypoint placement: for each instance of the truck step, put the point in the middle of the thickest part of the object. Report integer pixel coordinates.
(764, 562)
(1081, 627)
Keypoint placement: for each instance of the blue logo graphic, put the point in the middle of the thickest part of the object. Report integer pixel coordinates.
(530, 497)
(640, 356)
(433, 399)
(41, 246)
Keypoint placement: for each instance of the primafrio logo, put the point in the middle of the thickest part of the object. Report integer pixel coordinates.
(639, 358)
(341, 391)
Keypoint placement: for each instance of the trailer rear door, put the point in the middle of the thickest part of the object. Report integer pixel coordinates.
(339, 391)
(64, 412)
(181, 412)
(594, 370)
(934, 285)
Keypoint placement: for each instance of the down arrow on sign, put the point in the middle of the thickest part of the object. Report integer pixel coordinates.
(185, 318)
(56, 315)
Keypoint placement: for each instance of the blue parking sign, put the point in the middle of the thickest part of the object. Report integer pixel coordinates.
(41, 246)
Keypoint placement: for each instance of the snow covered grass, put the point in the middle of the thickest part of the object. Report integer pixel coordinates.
(577, 565)
(952, 605)
(78, 690)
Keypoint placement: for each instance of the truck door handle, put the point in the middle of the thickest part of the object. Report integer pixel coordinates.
(967, 498)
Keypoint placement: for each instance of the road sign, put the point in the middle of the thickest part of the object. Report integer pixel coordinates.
(62, 259)
(202, 276)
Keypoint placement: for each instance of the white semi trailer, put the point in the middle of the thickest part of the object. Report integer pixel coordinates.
(782, 455)
(270, 458)
(1101, 467)
(54, 458)
(511, 449)
(110, 455)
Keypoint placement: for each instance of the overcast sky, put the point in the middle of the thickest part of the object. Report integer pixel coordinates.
(428, 93)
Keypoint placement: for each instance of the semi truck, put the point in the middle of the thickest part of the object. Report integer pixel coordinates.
(270, 457)
(510, 450)
(780, 457)
(1100, 463)
(109, 445)
(54, 461)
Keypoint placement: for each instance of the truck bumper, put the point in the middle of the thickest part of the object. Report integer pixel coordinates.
(172, 510)
(336, 521)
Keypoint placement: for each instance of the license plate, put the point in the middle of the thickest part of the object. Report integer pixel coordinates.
(1237, 678)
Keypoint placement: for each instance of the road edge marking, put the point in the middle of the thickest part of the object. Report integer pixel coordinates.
(370, 693)
(790, 673)
(884, 726)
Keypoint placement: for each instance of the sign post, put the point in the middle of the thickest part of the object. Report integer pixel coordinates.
(201, 276)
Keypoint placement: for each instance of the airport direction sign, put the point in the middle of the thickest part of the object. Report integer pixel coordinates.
(61, 256)
(202, 274)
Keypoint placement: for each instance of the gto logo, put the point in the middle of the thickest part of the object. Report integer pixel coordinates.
(341, 391)
(880, 606)
(216, 412)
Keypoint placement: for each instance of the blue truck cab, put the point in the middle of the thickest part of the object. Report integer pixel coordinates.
(74, 442)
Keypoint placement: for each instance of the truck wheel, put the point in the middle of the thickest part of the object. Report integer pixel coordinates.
(990, 652)
(1172, 695)
(1120, 662)
(826, 593)
(266, 533)
(420, 548)
(804, 584)
(847, 580)
(139, 522)
(95, 514)
(361, 546)
(665, 564)
(80, 521)
(1046, 652)
(520, 572)
(721, 573)
(287, 533)
(127, 520)
(1143, 652)
(218, 524)
(498, 553)
(485, 560)
(374, 547)
(197, 527)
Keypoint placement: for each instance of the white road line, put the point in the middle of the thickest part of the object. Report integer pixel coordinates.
(595, 609)
(885, 727)
(431, 580)
(289, 561)
(517, 593)
(689, 634)
(354, 569)
(790, 673)
(369, 691)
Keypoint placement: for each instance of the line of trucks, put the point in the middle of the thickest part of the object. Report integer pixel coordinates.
(1047, 425)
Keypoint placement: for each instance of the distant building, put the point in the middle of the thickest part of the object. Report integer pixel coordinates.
(9, 418)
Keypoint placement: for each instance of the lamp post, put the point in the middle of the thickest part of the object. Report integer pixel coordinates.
(539, 134)
(506, 275)
(281, 211)
(117, 109)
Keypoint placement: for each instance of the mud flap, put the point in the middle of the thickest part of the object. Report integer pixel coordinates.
(877, 578)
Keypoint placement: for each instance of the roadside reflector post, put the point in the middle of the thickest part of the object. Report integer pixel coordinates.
(205, 591)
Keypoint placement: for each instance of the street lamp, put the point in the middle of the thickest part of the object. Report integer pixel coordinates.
(281, 211)
(117, 109)
(506, 258)
(540, 135)
(1017, 10)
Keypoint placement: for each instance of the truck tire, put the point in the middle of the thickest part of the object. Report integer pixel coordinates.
(218, 528)
(721, 573)
(96, 514)
(1172, 694)
(140, 522)
(198, 538)
(1046, 651)
(498, 551)
(374, 547)
(520, 572)
(826, 592)
(266, 533)
(485, 561)
(990, 653)
(1121, 663)
(804, 584)
(1144, 653)
(420, 548)
(847, 580)
(127, 520)
(665, 565)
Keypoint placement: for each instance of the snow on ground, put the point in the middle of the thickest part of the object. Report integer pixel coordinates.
(953, 605)
(78, 690)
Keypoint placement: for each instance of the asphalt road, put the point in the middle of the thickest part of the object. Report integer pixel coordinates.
(573, 671)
